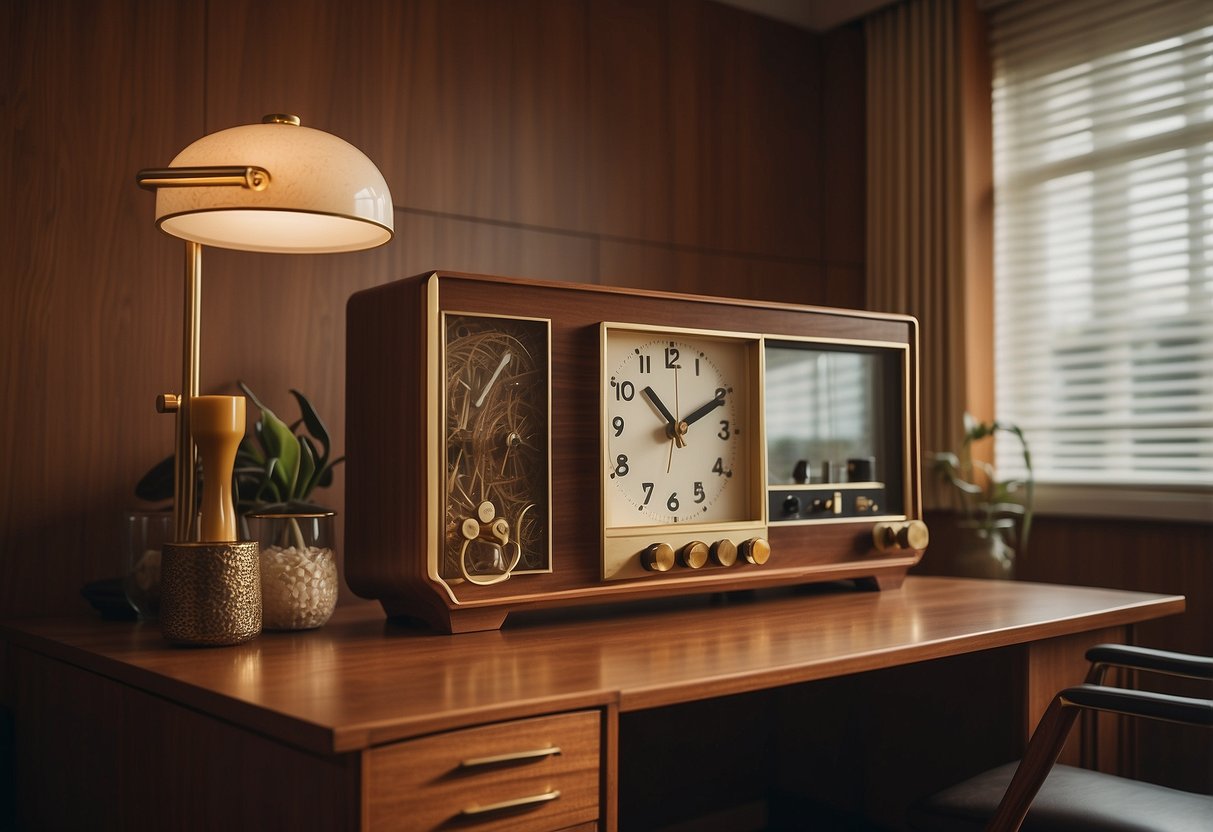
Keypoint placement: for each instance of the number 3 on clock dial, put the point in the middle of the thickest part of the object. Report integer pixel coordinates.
(675, 435)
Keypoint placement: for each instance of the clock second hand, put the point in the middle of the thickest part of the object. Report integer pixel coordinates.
(677, 427)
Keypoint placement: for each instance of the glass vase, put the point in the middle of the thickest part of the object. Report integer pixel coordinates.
(298, 568)
(146, 533)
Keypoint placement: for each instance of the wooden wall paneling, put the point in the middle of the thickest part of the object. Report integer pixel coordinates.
(90, 312)
(843, 115)
(844, 286)
(489, 248)
(469, 107)
(630, 146)
(745, 96)
(673, 269)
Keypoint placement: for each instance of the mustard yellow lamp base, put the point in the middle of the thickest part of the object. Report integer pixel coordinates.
(210, 593)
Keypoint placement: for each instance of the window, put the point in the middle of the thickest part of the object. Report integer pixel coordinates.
(1103, 133)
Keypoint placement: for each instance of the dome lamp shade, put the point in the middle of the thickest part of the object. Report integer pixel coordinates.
(317, 193)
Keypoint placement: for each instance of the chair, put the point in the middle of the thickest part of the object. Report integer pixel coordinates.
(1075, 798)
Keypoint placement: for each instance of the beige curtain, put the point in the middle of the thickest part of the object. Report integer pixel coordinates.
(915, 198)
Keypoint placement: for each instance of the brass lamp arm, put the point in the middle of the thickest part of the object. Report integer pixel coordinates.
(247, 176)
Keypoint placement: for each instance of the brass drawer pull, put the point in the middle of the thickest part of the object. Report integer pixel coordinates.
(517, 802)
(550, 751)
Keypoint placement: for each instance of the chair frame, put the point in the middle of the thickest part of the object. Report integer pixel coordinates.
(1054, 727)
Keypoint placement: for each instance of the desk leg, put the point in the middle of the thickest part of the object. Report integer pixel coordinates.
(609, 768)
(1057, 663)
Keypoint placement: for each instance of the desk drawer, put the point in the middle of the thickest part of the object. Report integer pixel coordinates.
(530, 774)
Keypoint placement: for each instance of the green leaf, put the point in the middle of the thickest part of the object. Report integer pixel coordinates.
(315, 426)
(244, 388)
(281, 445)
(267, 483)
(307, 467)
(259, 434)
(326, 474)
(249, 450)
(317, 470)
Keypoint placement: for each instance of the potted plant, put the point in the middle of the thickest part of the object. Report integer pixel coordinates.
(276, 472)
(990, 508)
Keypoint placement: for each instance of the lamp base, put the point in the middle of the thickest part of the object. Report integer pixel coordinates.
(210, 593)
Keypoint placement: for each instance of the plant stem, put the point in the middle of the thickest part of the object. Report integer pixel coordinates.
(297, 534)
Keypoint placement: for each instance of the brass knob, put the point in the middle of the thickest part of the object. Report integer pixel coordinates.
(724, 552)
(756, 550)
(693, 555)
(658, 558)
(912, 534)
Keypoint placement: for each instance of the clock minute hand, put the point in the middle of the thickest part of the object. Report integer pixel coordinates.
(700, 412)
(672, 424)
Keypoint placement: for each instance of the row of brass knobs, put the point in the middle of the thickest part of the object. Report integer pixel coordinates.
(661, 557)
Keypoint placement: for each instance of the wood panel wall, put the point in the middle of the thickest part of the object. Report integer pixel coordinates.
(676, 145)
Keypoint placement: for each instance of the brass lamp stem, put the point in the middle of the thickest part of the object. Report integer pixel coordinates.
(185, 461)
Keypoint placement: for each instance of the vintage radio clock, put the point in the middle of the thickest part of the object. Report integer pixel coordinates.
(514, 444)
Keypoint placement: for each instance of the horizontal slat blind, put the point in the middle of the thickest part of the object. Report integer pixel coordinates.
(1103, 137)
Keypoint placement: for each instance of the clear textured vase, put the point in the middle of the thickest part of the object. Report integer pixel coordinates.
(146, 533)
(298, 568)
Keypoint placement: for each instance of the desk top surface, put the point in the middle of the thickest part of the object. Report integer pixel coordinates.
(363, 680)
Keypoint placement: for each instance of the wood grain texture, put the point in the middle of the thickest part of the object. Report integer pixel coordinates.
(90, 310)
(97, 755)
(1049, 666)
(425, 784)
(518, 138)
(361, 681)
(745, 129)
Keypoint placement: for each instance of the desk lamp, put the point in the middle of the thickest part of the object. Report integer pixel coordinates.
(273, 187)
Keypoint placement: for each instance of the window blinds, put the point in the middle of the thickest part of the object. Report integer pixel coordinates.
(1103, 134)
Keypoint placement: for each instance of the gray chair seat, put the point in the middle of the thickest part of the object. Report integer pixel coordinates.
(1071, 799)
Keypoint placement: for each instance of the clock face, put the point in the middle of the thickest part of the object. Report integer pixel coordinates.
(676, 433)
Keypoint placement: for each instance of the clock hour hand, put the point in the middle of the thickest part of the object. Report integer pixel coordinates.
(674, 429)
(700, 412)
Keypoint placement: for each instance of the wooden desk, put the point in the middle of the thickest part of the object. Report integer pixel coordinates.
(323, 729)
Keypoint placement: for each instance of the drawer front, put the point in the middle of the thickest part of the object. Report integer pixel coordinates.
(529, 774)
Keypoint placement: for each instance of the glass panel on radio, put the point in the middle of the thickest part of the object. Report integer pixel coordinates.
(835, 430)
